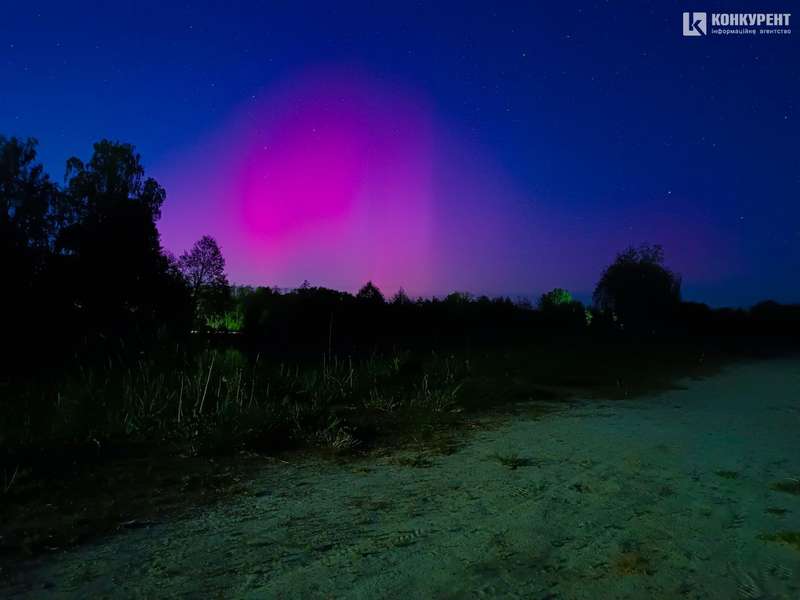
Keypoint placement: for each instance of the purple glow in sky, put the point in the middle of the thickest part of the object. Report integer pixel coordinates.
(477, 150)
(337, 178)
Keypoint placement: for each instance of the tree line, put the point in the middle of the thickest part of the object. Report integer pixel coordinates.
(83, 260)
(85, 271)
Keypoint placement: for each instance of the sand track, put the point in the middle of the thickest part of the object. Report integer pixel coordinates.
(658, 497)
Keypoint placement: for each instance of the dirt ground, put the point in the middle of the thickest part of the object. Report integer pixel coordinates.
(688, 493)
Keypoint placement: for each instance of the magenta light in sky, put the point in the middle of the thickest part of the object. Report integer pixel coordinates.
(337, 177)
(327, 178)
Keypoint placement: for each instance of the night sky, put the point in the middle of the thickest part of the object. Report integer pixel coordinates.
(500, 148)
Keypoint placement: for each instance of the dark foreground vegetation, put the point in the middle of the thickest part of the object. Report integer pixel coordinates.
(124, 369)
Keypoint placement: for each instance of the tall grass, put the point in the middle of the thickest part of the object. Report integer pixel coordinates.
(231, 321)
(220, 400)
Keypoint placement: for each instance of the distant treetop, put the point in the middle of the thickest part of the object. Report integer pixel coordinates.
(371, 293)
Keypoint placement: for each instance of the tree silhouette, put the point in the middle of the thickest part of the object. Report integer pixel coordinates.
(203, 268)
(401, 298)
(114, 176)
(561, 311)
(26, 195)
(370, 293)
(117, 273)
(458, 298)
(638, 290)
(554, 298)
(83, 261)
(28, 200)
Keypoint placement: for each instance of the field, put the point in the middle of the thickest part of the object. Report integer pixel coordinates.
(688, 491)
(88, 453)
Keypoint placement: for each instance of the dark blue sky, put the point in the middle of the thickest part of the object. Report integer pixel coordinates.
(603, 112)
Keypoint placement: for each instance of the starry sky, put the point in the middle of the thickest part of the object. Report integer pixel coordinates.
(500, 148)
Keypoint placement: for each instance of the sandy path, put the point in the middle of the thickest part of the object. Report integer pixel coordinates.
(622, 500)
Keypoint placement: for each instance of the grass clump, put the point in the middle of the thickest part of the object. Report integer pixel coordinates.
(513, 460)
(419, 461)
(790, 538)
(231, 321)
(789, 486)
(632, 563)
(221, 401)
(778, 512)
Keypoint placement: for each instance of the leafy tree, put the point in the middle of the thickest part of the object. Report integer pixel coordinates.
(401, 298)
(29, 203)
(458, 298)
(118, 275)
(203, 268)
(562, 311)
(638, 290)
(84, 260)
(30, 207)
(370, 293)
(28, 198)
(555, 298)
(112, 178)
